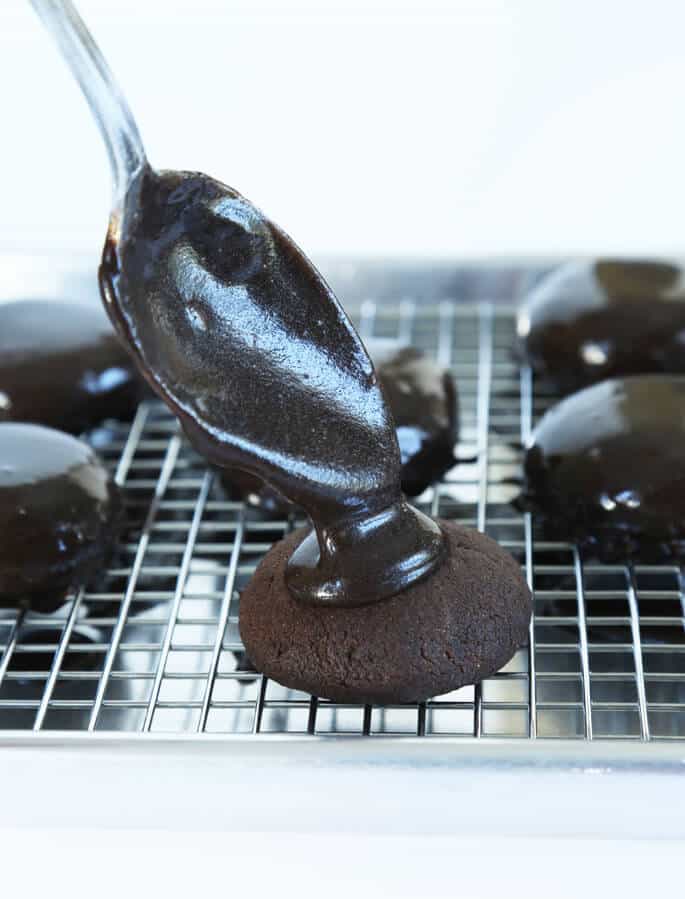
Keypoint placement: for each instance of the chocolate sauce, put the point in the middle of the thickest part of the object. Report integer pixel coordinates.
(59, 513)
(607, 467)
(588, 321)
(240, 335)
(423, 402)
(61, 365)
(422, 397)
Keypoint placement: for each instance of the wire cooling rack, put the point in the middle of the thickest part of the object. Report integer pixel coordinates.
(153, 644)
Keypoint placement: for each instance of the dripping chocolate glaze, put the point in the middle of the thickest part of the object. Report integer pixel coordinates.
(236, 330)
(607, 466)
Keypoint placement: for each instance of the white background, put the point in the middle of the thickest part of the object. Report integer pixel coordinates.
(471, 127)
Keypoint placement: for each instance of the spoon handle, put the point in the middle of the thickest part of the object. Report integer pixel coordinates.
(106, 101)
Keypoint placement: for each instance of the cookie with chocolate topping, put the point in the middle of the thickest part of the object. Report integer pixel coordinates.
(591, 320)
(61, 365)
(59, 515)
(606, 467)
(457, 627)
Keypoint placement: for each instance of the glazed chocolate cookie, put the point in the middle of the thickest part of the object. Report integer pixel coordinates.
(61, 365)
(59, 513)
(423, 401)
(587, 321)
(606, 466)
(424, 404)
(457, 627)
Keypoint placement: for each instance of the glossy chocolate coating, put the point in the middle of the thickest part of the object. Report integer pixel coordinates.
(61, 365)
(607, 467)
(59, 513)
(587, 321)
(242, 338)
(422, 397)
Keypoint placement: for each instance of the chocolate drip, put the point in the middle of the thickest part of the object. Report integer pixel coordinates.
(239, 334)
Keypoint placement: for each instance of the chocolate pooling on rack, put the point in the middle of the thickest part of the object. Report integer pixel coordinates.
(240, 335)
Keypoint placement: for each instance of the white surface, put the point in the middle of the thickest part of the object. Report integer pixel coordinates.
(194, 864)
(340, 817)
(376, 126)
(465, 788)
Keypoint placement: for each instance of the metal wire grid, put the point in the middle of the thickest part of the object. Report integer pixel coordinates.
(153, 645)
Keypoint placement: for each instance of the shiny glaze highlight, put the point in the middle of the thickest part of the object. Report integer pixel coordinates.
(587, 321)
(59, 513)
(422, 398)
(607, 466)
(240, 335)
(61, 365)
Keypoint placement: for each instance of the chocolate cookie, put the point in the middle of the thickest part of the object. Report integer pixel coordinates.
(458, 626)
(59, 513)
(588, 321)
(61, 365)
(606, 467)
